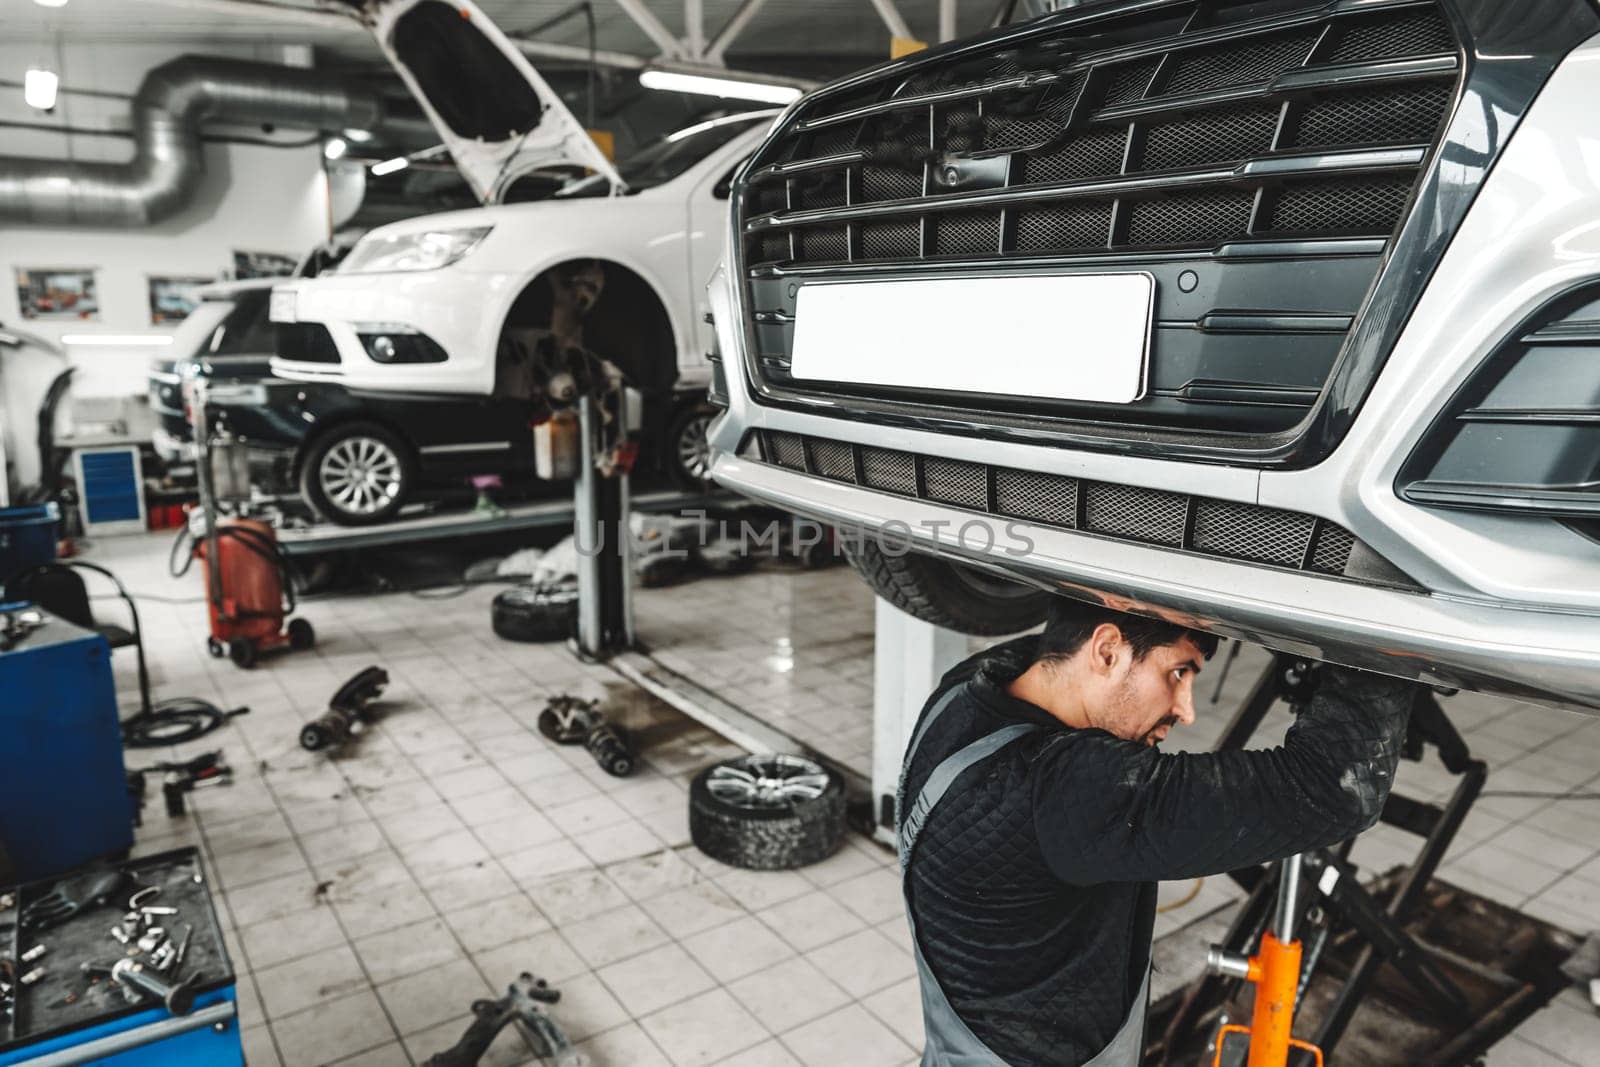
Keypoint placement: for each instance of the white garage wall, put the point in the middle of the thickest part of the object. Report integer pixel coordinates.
(251, 198)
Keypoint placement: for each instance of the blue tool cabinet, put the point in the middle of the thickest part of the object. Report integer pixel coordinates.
(63, 789)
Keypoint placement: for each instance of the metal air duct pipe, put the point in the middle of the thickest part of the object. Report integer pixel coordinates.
(167, 164)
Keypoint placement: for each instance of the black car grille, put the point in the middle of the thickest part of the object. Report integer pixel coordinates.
(1247, 532)
(1260, 150)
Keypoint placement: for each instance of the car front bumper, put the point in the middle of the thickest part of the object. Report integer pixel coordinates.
(1502, 603)
(460, 311)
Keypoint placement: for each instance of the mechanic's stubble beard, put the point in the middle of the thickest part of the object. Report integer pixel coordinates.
(1128, 713)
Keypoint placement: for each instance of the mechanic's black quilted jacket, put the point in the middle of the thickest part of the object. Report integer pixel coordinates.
(1033, 881)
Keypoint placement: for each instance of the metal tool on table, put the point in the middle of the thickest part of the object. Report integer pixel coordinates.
(351, 709)
(519, 1005)
(70, 897)
(16, 623)
(139, 982)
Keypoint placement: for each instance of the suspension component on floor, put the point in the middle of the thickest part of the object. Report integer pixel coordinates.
(351, 710)
(608, 745)
(567, 719)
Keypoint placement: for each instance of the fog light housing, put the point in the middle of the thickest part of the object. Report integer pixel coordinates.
(391, 343)
(1522, 435)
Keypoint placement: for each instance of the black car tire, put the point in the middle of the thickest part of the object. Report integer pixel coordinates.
(301, 635)
(533, 614)
(336, 443)
(687, 456)
(242, 652)
(947, 594)
(777, 834)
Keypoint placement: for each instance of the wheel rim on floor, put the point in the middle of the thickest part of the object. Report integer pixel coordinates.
(694, 448)
(360, 475)
(765, 782)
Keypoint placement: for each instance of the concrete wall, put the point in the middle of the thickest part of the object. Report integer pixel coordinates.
(252, 199)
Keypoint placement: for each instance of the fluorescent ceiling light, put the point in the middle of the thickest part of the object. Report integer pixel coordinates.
(51, 3)
(116, 339)
(389, 166)
(358, 136)
(39, 88)
(706, 85)
(334, 148)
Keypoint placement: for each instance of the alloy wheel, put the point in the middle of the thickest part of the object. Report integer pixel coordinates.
(360, 475)
(767, 781)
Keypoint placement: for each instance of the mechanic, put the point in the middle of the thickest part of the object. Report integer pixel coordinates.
(1044, 815)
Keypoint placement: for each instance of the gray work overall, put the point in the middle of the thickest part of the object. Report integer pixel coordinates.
(950, 1042)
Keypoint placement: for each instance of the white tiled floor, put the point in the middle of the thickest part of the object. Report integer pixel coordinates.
(370, 896)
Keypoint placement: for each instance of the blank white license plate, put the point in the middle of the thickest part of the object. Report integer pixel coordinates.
(1061, 337)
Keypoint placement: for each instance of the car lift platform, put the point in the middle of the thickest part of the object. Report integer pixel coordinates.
(326, 537)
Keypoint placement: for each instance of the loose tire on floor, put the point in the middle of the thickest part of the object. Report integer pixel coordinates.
(947, 594)
(526, 613)
(767, 813)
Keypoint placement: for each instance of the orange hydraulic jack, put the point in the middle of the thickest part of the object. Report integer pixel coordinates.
(1275, 971)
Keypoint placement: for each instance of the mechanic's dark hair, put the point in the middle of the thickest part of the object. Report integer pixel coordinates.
(1068, 624)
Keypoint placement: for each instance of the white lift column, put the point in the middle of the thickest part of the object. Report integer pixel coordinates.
(909, 658)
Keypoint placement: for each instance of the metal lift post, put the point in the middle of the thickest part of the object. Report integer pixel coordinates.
(601, 531)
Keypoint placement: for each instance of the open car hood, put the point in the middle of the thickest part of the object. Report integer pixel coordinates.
(494, 112)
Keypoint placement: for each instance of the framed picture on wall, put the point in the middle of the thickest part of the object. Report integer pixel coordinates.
(172, 297)
(58, 293)
(261, 264)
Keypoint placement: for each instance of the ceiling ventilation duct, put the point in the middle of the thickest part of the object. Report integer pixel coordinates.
(167, 164)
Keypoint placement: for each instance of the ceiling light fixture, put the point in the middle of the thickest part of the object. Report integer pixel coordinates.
(389, 166)
(39, 88)
(116, 339)
(51, 3)
(728, 88)
(334, 148)
(358, 136)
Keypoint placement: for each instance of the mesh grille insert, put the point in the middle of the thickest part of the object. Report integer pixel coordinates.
(1418, 34)
(1362, 206)
(822, 244)
(1265, 534)
(894, 471)
(890, 239)
(889, 183)
(1239, 64)
(832, 459)
(1092, 155)
(1136, 514)
(1207, 216)
(1408, 115)
(955, 482)
(787, 450)
(969, 233)
(1058, 227)
(1222, 528)
(1210, 137)
(1041, 497)
(1334, 544)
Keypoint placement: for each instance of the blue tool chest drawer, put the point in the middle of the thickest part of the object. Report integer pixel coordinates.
(62, 1009)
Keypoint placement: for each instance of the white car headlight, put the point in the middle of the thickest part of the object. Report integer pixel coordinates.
(428, 250)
